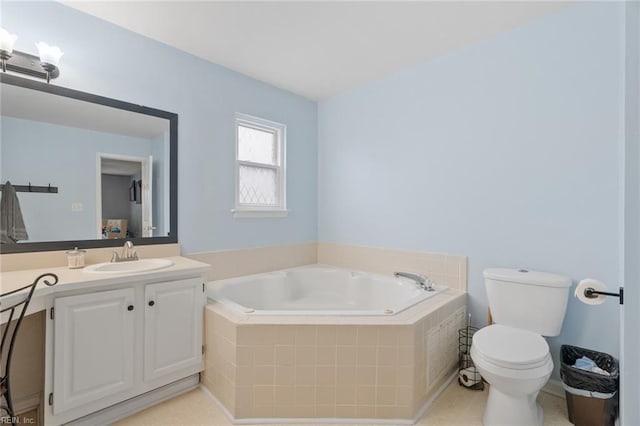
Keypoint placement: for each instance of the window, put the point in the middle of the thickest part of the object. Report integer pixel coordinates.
(260, 180)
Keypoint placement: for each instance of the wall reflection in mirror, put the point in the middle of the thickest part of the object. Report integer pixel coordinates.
(111, 168)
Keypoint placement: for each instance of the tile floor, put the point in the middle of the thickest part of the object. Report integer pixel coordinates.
(455, 406)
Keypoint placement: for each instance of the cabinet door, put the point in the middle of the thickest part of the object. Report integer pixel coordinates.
(173, 328)
(93, 347)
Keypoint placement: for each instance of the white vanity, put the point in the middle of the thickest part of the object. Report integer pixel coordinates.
(117, 342)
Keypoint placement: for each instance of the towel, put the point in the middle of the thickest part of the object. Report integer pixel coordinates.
(12, 227)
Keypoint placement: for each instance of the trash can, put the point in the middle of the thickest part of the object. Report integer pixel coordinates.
(592, 397)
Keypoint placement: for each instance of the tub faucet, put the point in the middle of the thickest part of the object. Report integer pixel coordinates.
(128, 253)
(424, 282)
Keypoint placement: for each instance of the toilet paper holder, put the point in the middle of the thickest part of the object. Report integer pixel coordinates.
(592, 293)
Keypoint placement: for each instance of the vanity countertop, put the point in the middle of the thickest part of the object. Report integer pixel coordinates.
(73, 279)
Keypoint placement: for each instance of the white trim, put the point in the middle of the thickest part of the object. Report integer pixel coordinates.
(254, 213)
(261, 165)
(435, 396)
(26, 404)
(131, 406)
(279, 131)
(99, 195)
(146, 200)
(254, 121)
(217, 403)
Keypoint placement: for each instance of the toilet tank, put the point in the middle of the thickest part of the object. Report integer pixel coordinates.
(529, 300)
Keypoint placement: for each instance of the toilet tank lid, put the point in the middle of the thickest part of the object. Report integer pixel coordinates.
(526, 276)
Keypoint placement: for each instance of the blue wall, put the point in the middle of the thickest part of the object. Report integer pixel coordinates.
(104, 59)
(506, 151)
(69, 164)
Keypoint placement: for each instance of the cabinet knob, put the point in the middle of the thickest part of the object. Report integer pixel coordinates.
(151, 303)
(130, 308)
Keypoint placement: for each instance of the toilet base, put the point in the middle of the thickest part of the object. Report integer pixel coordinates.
(512, 410)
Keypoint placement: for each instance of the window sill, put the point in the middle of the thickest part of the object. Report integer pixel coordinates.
(243, 214)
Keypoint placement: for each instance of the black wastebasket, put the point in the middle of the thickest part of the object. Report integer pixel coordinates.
(592, 398)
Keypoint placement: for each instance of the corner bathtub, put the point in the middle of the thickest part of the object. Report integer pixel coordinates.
(318, 290)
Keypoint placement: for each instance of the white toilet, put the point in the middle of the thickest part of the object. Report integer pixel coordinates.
(511, 354)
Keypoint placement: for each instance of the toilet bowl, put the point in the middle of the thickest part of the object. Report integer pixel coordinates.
(517, 364)
(512, 354)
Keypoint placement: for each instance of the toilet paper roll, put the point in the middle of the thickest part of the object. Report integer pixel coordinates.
(469, 376)
(594, 284)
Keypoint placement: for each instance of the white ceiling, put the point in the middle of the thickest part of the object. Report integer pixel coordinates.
(34, 105)
(317, 49)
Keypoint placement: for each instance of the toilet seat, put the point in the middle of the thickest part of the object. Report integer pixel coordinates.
(511, 348)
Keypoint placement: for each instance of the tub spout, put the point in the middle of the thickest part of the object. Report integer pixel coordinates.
(424, 282)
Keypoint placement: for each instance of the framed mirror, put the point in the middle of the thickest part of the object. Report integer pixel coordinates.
(87, 171)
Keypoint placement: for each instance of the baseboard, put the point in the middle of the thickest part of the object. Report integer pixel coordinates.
(435, 396)
(131, 406)
(217, 403)
(27, 403)
(554, 387)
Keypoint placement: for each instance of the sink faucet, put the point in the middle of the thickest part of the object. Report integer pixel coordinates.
(128, 253)
(424, 282)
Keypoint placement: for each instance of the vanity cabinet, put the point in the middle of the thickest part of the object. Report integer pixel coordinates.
(172, 327)
(93, 347)
(110, 346)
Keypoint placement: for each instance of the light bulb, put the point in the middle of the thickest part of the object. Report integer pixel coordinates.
(7, 40)
(49, 54)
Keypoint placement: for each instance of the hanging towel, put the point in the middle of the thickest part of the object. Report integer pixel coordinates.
(12, 227)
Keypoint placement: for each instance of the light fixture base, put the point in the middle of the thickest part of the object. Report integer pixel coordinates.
(4, 57)
(25, 63)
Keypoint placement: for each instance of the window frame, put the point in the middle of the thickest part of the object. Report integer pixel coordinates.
(279, 131)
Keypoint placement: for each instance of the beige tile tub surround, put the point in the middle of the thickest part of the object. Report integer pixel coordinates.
(445, 269)
(52, 259)
(236, 263)
(449, 270)
(329, 367)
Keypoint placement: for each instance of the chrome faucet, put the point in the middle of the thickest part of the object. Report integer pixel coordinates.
(128, 253)
(424, 282)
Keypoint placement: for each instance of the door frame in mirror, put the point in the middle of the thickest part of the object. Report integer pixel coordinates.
(114, 103)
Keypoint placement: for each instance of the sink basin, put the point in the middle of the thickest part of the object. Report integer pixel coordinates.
(133, 266)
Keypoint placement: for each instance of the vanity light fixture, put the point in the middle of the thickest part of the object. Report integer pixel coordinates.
(44, 66)
(49, 58)
(7, 41)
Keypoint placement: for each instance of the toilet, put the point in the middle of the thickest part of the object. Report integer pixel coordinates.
(512, 354)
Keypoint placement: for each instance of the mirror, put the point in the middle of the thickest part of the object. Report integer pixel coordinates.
(88, 171)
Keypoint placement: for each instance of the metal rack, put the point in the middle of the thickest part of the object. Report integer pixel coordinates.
(468, 375)
(33, 188)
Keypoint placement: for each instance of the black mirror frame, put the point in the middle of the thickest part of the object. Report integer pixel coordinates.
(173, 169)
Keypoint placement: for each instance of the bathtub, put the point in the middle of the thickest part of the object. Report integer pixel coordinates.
(319, 290)
(318, 344)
